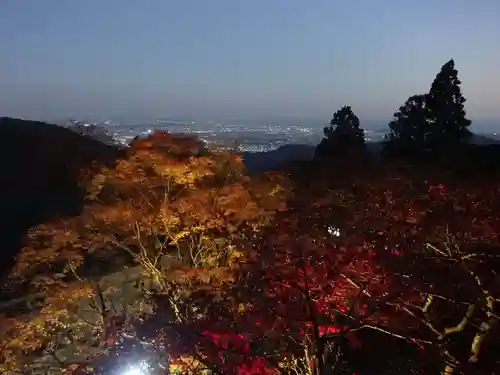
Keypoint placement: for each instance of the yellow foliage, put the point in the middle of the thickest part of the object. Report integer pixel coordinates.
(179, 236)
(184, 219)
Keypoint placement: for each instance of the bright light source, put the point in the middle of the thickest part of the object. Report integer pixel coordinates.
(334, 231)
(134, 371)
(137, 369)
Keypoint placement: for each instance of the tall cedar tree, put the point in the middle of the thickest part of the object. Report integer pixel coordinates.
(446, 107)
(344, 135)
(409, 130)
(432, 121)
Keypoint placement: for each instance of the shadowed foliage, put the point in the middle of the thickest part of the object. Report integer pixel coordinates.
(42, 164)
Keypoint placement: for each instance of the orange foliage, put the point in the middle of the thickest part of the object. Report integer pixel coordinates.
(185, 219)
(299, 284)
(163, 142)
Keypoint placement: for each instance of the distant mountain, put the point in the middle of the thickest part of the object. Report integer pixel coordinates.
(257, 162)
(483, 140)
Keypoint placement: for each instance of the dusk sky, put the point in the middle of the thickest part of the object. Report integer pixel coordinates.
(257, 58)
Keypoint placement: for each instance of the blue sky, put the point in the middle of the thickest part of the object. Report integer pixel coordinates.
(220, 58)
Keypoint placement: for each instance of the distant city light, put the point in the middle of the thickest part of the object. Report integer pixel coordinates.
(251, 137)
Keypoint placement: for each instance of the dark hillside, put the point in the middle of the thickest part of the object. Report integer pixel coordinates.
(40, 167)
(258, 162)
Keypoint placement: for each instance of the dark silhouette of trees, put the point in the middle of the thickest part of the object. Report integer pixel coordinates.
(446, 108)
(409, 127)
(343, 136)
(434, 121)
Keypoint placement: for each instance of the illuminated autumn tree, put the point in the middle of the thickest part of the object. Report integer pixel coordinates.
(177, 216)
(368, 253)
(304, 296)
(308, 285)
(300, 298)
(216, 329)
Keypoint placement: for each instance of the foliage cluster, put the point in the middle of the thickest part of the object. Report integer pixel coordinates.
(183, 219)
(280, 273)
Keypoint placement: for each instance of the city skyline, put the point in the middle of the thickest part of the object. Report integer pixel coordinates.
(248, 60)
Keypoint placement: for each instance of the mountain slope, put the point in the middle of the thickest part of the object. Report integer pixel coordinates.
(40, 165)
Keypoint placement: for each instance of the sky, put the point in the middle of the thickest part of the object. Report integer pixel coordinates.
(224, 58)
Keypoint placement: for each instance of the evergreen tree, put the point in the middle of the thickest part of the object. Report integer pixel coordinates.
(431, 122)
(447, 122)
(409, 128)
(343, 136)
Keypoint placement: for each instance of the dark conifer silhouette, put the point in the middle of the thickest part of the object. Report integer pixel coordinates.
(445, 102)
(343, 136)
(431, 122)
(409, 128)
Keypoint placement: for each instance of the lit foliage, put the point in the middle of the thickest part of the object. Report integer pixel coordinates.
(438, 239)
(227, 291)
(304, 289)
(391, 252)
(185, 216)
(297, 294)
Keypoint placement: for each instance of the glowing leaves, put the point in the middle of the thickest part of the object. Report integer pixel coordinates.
(58, 305)
(196, 208)
(237, 204)
(95, 186)
(183, 172)
(70, 294)
(127, 170)
(47, 246)
(230, 353)
(161, 142)
(168, 217)
(272, 190)
(172, 166)
(23, 337)
(121, 213)
(186, 365)
(184, 219)
(213, 276)
(302, 277)
(179, 236)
